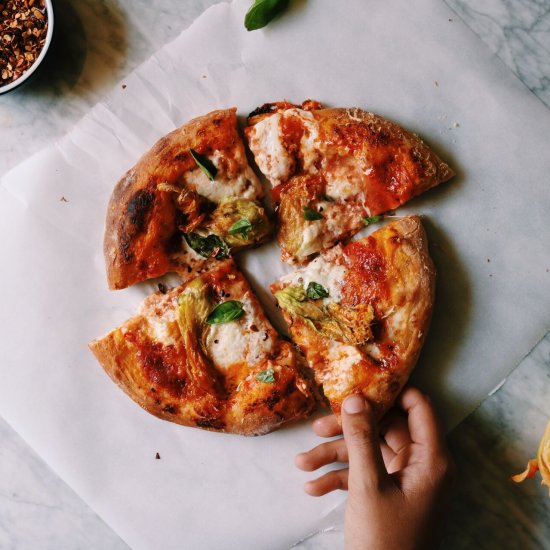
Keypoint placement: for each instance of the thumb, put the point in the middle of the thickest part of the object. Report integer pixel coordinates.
(366, 465)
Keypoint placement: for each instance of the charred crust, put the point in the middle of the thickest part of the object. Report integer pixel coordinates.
(125, 246)
(169, 409)
(138, 207)
(184, 155)
(173, 244)
(210, 423)
(264, 109)
(272, 400)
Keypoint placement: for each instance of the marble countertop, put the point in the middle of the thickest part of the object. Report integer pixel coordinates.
(97, 43)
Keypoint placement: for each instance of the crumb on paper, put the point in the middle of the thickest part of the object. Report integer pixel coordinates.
(63, 199)
(488, 260)
(157, 456)
(436, 83)
(124, 86)
(204, 76)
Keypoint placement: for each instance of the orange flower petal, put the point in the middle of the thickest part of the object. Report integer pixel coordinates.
(529, 472)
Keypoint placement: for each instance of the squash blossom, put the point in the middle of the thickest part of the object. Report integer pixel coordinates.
(541, 463)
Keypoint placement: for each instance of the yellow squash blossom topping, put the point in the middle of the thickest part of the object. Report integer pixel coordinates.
(541, 463)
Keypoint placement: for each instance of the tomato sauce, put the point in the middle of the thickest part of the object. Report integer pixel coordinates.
(163, 365)
(366, 280)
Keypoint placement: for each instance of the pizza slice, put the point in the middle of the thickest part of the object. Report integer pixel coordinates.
(333, 169)
(360, 312)
(203, 354)
(188, 202)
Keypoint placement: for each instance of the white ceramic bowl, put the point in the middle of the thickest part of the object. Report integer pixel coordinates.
(49, 33)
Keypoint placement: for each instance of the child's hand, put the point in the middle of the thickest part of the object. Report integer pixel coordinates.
(398, 482)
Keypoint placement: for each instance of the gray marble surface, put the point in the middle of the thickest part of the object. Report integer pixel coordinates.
(103, 40)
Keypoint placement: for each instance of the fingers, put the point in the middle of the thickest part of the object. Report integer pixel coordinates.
(366, 465)
(387, 454)
(395, 430)
(327, 426)
(424, 427)
(337, 479)
(327, 453)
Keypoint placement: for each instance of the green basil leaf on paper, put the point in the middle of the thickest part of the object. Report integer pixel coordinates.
(226, 312)
(262, 12)
(372, 219)
(211, 246)
(315, 291)
(267, 376)
(241, 227)
(310, 214)
(205, 164)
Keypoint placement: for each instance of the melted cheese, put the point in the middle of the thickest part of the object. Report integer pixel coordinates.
(244, 184)
(269, 152)
(161, 319)
(320, 271)
(235, 342)
(312, 236)
(266, 142)
(310, 140)
(341, 359)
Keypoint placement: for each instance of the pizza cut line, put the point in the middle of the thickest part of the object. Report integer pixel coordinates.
(203, 353)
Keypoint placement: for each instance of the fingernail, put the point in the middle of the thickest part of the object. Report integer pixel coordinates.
(354, 404)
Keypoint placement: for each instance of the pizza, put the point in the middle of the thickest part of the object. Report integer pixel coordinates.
(334, 169)
(204, 354)
(188, 202)
(360, 312)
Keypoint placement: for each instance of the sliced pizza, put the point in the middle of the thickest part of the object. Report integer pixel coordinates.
(333, 169)
(360, 312)
(203, 354)
(187, 203)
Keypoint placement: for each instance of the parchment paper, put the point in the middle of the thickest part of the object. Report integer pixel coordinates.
(488, 228)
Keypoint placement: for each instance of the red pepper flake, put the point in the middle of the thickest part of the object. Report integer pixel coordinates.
(23, 30)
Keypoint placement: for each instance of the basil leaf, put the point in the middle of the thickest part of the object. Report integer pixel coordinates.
(211, 246)
(315, 291)
(226, 312)
(267, 376)
(262, 12)
(241, 227)
(205, 164)
(310, 214)
(372, 219)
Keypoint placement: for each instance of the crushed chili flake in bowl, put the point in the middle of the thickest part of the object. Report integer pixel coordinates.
(25, 34)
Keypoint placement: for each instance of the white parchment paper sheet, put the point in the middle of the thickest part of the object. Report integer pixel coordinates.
(488, 228)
